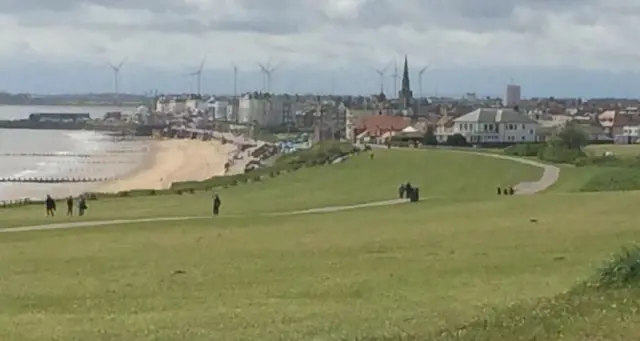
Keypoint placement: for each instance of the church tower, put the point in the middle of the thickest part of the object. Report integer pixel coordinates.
(405, 94)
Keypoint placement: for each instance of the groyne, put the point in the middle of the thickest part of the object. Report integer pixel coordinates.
(56, 180)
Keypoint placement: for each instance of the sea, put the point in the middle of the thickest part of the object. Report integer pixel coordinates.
(63, 154)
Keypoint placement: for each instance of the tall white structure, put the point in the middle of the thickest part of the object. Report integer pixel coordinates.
(512, 95)
(220, 110)
(267, 111)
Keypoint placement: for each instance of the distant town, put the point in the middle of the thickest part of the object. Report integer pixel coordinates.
(377, 118)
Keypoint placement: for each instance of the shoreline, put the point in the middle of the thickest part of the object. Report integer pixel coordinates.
(173, 160)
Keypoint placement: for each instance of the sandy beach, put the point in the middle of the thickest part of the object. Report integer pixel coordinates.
(174, 160)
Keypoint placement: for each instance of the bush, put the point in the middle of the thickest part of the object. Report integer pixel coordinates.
(123, 194)
(524, 149)
(429, 138)
(317, 155)
(613, 179)
(621, 271)
(557, 154)
(456, 140)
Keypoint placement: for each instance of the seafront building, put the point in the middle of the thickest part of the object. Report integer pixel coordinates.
(265, 110)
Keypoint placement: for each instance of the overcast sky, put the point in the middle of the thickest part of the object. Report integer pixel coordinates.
(573, 47)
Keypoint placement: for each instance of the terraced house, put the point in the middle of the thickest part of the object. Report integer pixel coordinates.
(489, 126)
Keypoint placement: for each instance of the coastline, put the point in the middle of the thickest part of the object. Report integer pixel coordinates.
(174, 160)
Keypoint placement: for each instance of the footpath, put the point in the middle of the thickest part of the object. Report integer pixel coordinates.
(549, 176)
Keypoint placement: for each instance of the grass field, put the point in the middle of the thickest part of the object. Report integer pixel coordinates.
(411, 269)
(438, 174)
(616, 149)
(405, 272)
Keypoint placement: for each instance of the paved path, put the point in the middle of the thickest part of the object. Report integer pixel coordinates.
(145, 220)
(549, 177)
(550, 173)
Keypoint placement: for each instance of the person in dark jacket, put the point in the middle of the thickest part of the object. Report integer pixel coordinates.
(216, 204)
(511, 191)
(402, 191)
(82, 205)
(50, 204)
(408, 190)
(500, 191)
(70, 206)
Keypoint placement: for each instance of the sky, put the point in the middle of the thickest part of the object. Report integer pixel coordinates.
(585, 48)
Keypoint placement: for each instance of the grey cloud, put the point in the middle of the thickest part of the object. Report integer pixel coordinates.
(155, 6)
(293, 16)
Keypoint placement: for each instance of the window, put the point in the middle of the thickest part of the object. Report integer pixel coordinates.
(523, 127)
(523, 138)
(530, 131)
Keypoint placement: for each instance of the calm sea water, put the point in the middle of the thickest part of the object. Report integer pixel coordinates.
(107, 155)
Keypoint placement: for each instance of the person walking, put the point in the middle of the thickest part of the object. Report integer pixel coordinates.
(70, 206)
(50, 204)
(82, 205)
(401, 191)
(216, 204)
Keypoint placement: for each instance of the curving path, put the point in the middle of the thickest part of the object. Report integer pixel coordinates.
(549, 176)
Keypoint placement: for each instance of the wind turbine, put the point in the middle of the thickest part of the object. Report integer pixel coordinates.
(116, 77)
(420, 73)
(198, 74)
(267, 71)
(381, 73)
(395, 77)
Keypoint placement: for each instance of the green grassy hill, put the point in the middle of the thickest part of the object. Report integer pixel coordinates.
(462, 265)
(438, 174)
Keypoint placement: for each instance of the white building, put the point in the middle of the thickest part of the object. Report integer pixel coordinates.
(349, 123)
(220, 110)
(490, 125)
(264, 110)
(512, 95)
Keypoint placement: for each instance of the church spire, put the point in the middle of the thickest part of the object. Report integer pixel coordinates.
(405, 94)
(405, 76)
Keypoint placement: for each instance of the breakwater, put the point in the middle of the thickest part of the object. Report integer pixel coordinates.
(55, 180)
(78, 155)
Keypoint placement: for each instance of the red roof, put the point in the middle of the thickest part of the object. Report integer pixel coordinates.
(380, 124)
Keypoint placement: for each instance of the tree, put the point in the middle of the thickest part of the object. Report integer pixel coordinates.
(430, 137)
(457, 140)
(571, 136)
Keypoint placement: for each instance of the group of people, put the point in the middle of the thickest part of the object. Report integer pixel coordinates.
(505, 191)
(406, 190)
(50, 205)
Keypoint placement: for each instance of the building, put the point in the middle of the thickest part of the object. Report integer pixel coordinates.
(405, 94)
(512, 96)
(489, 125)
(379, 128)
(220, 110)
(265, 110)
(232, 110)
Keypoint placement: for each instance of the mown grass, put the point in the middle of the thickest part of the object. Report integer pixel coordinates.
(438, 173)
(617, 149)
(384, 272)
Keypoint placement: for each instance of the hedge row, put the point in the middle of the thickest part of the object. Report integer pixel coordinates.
(320, 154)
(546, 152)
